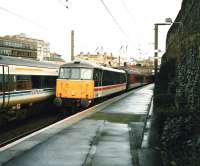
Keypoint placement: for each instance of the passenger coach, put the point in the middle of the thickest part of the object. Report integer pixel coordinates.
(81, 82)
(24, 82)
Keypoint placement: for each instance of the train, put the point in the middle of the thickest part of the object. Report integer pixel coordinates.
(80, 83)
(23, 84)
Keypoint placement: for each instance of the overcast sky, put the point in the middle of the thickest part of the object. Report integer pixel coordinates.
(131, 26)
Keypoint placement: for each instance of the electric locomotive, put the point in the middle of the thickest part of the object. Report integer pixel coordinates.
(23, 83)
(81, 82)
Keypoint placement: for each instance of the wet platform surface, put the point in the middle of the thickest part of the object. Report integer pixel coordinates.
(107, 138)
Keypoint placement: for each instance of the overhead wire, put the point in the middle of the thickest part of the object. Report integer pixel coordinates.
(133, 20)
(131, 16)
(22, 17)
(114, 19)
(120, 27)
(128, 11)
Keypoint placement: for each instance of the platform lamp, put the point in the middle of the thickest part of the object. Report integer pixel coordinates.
(156, 45)
(168, 21)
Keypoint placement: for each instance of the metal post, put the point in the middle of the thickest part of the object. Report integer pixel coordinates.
(156, 46)
(119, 60)
(72, 45)
(156, 50)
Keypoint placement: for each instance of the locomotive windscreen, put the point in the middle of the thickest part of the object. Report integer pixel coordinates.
(76, 73)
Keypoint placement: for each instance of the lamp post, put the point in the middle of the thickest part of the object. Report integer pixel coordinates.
(156, 46)
(168, 21)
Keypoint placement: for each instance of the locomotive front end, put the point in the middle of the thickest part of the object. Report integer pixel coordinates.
(74, 87)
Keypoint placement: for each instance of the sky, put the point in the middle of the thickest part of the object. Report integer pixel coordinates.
(123, 27)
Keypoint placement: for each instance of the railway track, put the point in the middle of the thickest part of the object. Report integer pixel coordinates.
(6, 142)
(14, 132)
(17, 130)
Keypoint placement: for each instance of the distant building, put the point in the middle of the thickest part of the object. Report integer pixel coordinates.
(22, 46)
(145, 66)
(146, 62)
(104, 59)
(43, 47)
(11, 46)
(56, 58)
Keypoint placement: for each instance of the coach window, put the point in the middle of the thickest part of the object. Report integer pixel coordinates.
(104, 81)
(23, 82)
(120, 78)
(5, 83)
(36, 81)
(50, 82)
(11, 83)
(111, 77)
(106, 78)
(1, 83)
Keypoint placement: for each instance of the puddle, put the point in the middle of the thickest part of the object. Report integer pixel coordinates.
(118, 118)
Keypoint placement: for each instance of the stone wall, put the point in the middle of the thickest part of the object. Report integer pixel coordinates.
(179, 77)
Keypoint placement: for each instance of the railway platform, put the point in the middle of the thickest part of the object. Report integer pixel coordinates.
(110, 137)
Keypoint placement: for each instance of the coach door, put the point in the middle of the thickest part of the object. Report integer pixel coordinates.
(4, 86)
(98, 82)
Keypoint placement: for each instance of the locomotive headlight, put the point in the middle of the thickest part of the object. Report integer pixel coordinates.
(58, 101)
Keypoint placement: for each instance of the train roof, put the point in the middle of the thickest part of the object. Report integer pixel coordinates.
(87, 64)
(8, 60)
